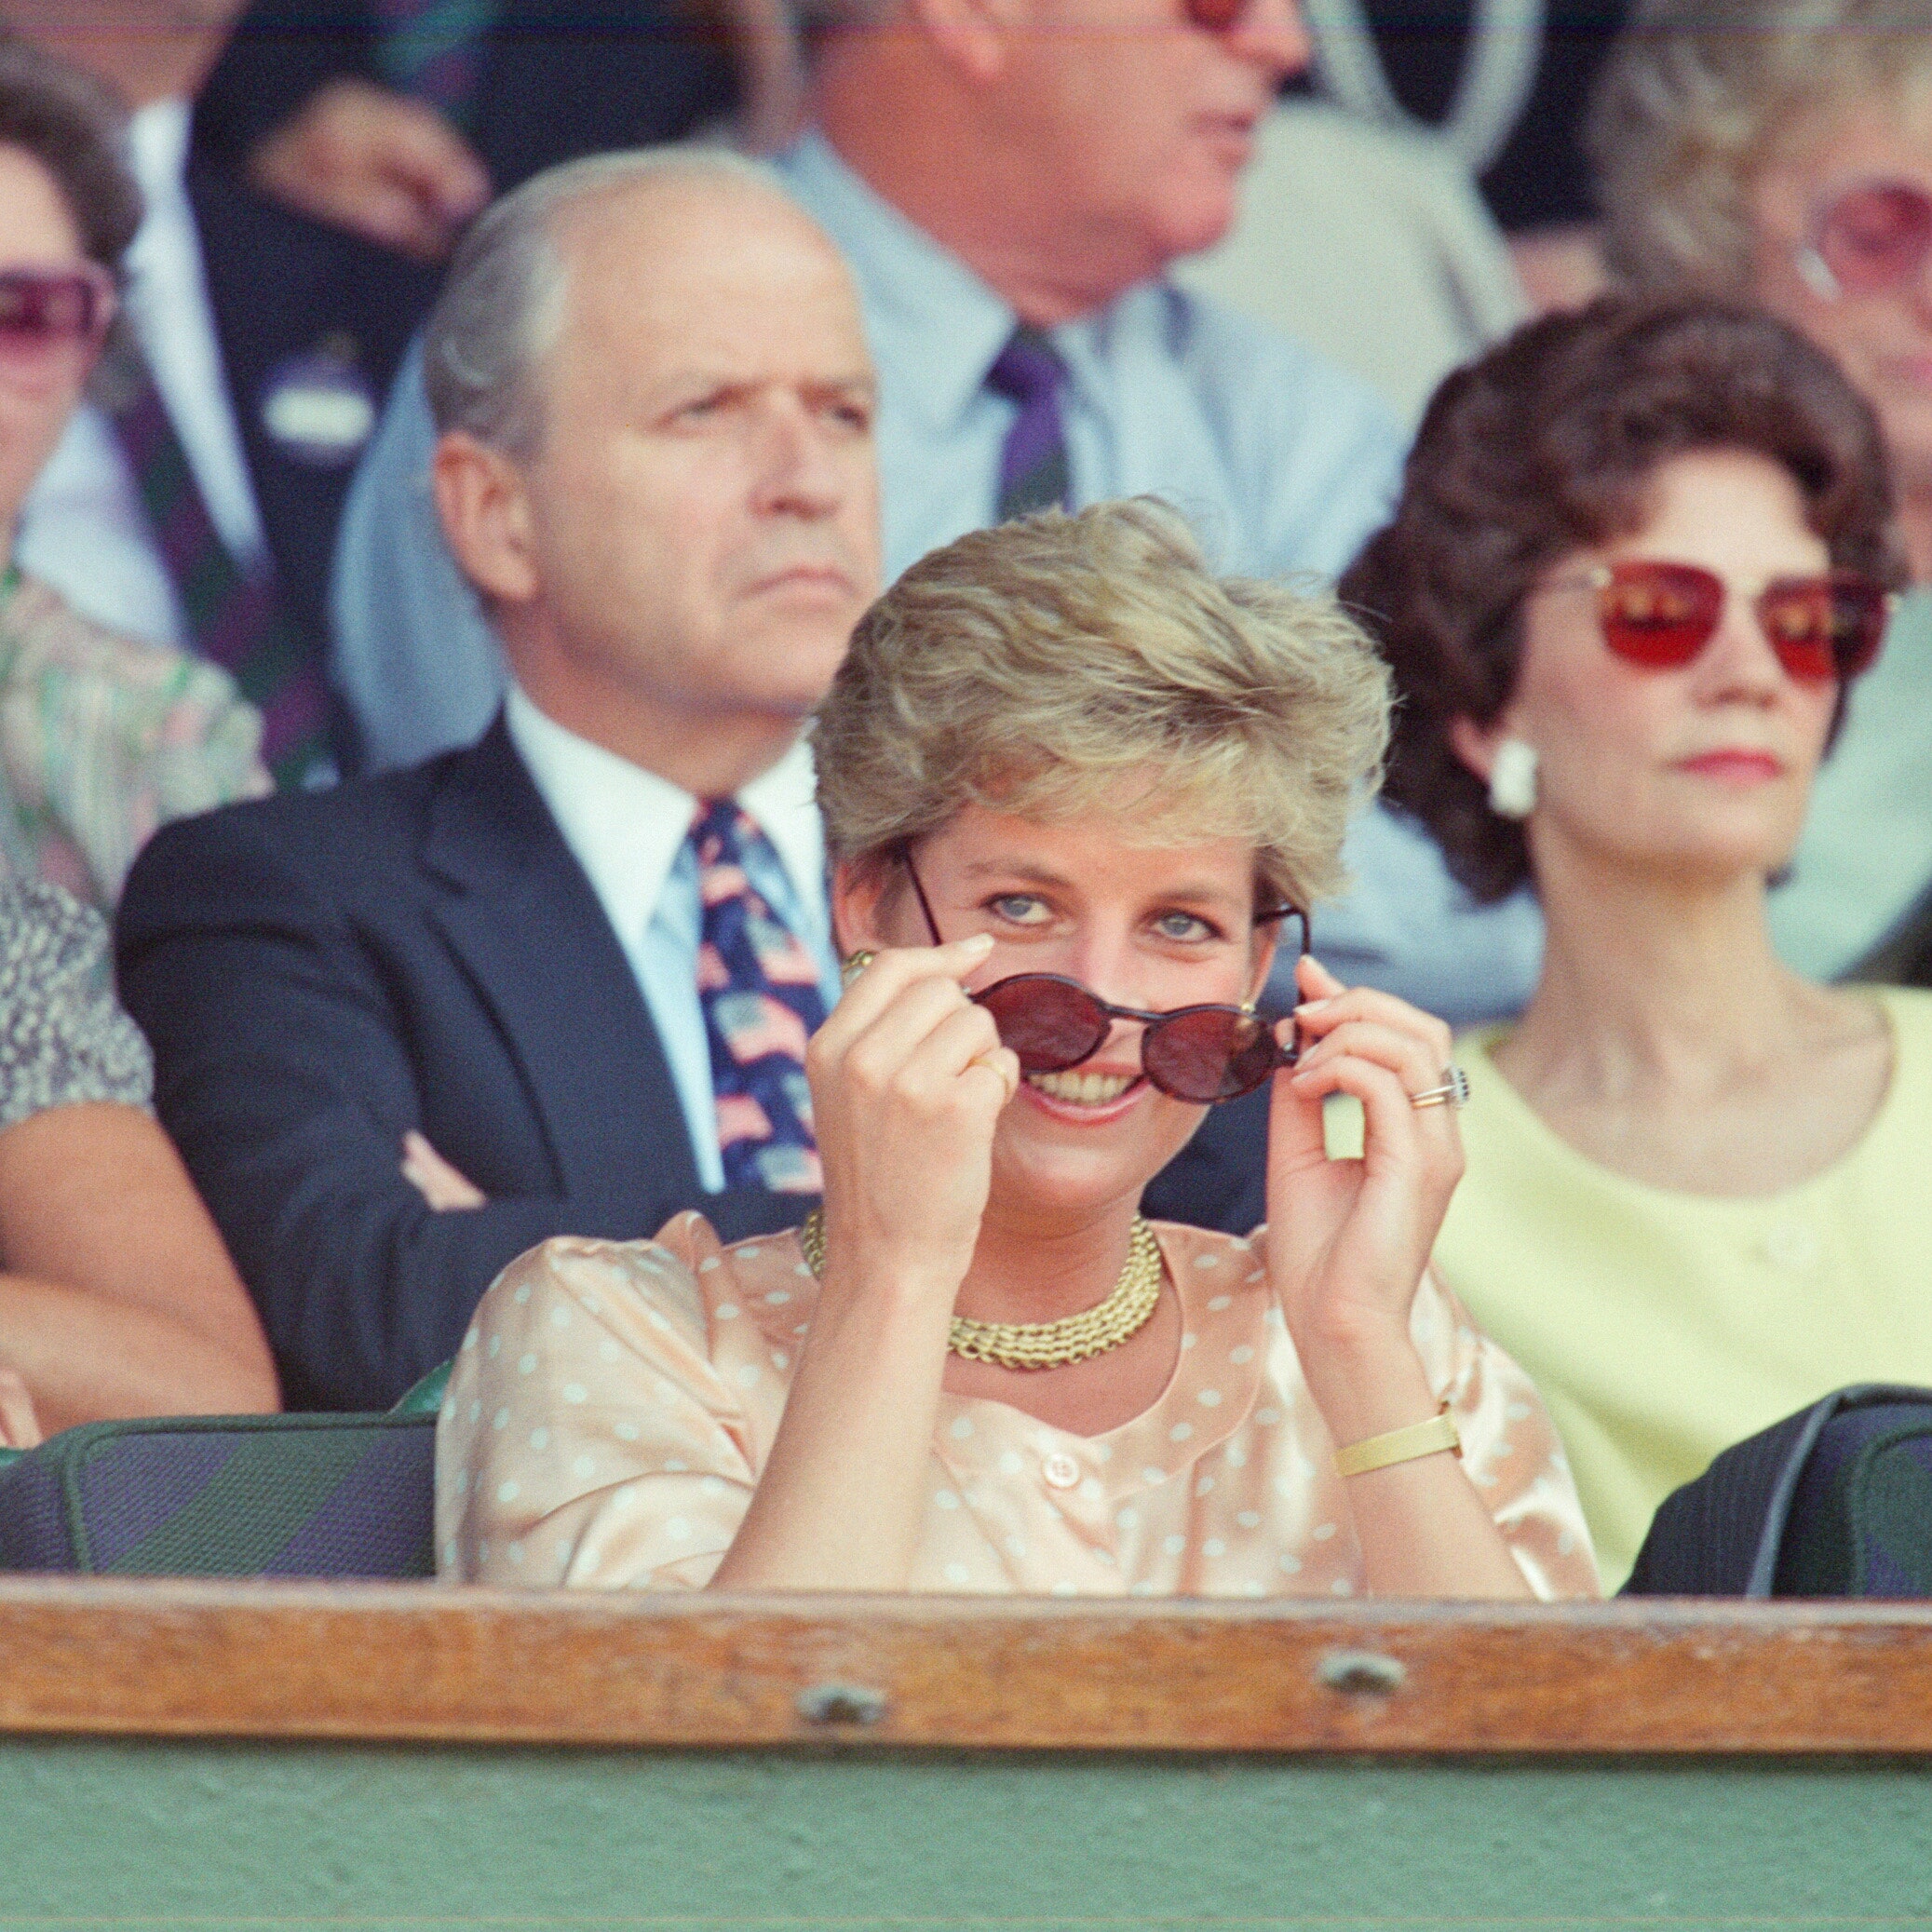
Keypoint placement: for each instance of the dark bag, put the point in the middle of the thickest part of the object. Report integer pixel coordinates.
(230, 1495)
(1835, 1501)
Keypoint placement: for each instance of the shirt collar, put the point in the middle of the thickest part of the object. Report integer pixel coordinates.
(925, 309)
(627, 824)
(157, 149)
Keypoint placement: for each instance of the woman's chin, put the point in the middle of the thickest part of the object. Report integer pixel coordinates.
(1044, 1162)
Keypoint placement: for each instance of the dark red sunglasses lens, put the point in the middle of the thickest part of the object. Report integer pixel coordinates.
(1049, 1023)
(1209, 1055)
(1876, 236)
(45, 309)
(1659, 614)
(1215, 16)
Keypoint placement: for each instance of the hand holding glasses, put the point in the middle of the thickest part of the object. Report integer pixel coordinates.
(1198, 1054)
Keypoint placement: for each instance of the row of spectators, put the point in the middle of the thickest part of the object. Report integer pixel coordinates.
(588, 564)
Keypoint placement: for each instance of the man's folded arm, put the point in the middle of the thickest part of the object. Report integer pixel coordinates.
(284, 1076)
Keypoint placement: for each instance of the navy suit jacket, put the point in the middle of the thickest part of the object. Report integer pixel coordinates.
(319, 972)
(322, 972)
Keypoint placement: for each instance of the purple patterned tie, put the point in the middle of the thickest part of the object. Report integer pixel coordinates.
(758, 984)
(1034, 461)
(234, 617)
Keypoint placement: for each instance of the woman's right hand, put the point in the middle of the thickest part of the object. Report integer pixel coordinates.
(908, 1080)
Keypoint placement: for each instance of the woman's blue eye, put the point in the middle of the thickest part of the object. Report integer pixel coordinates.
(1020, 907)
(1182, 926)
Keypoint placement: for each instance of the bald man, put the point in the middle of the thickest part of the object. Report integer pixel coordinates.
(558, 982)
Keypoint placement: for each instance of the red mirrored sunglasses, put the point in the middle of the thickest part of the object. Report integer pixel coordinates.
(45, 311)
(1868, 239)
(1197, 1054)
(1662, 614)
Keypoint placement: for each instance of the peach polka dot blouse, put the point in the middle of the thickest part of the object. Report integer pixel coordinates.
(613, 1406)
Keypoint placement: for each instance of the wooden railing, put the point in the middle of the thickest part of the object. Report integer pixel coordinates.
(424, 1662)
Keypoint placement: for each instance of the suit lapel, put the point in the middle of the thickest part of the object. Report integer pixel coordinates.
(518, 912)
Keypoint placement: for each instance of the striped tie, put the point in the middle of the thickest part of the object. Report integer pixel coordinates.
(1033, 460)
(234, 618)
(759, 987)
(433, 49)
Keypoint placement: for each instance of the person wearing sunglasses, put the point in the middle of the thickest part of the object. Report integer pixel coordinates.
(1073, 785)
(1641, 560)
(1780, 151)
(101, 738)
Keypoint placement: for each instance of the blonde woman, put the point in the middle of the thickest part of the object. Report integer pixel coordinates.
(1780, 151)
(1072, 784)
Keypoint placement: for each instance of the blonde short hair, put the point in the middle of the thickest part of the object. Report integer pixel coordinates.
(1699, 95)
(1039, 667)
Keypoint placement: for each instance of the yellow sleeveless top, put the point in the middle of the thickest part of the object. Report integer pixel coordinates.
(1660, 1328)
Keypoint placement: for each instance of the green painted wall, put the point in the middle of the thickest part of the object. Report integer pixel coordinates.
(139, 1835)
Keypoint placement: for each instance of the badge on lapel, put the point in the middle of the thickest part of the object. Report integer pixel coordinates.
(318, 408)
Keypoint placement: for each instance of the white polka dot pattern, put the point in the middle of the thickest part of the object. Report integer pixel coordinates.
(620, 1444)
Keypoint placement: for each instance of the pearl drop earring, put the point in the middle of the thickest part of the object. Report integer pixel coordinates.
(1512, 781)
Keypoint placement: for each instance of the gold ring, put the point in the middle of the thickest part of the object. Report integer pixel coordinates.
(1454, 1091)
(855, 965)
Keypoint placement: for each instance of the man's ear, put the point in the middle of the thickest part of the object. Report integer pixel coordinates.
(861, 908)
(485, 514)
(971, 37)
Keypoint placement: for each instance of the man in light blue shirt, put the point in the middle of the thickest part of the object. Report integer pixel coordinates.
(942, 171)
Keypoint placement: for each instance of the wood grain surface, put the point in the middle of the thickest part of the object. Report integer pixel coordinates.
(405, 1661)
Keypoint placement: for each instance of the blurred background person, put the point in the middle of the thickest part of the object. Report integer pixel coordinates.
(399, 119)
(556, 981)
(100, 737)
(117, 1296)
(1008, 186)
(194, 498)
(1640, 561)
(1781, 151)
(1502, 88)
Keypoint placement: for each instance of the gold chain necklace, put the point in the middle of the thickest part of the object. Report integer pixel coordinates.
(1045, 1344)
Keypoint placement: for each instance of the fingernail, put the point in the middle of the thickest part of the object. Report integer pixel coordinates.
(1312, 1006)
(979, 942)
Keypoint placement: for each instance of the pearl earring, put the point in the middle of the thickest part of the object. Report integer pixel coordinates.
(1512, 781)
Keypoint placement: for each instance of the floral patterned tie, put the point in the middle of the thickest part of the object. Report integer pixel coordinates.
(758, 984)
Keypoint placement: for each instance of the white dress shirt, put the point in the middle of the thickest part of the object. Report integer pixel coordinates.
(84, 529)
(630, 829)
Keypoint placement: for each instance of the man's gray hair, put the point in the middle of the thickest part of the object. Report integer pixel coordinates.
(501, 310)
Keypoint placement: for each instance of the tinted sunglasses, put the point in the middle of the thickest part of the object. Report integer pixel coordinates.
(1867, 240)
(1662, 614)
(1197, 1054)
(45, 312)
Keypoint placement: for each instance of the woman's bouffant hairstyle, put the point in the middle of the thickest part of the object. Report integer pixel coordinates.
(73, 128)
(1699, 95)
(1548, 445)
(1038, 667)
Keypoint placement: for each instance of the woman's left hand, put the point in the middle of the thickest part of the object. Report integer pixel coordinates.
(1347, 1240)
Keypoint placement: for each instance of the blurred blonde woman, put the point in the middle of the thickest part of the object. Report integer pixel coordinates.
(1780, 151)
(1074, 786)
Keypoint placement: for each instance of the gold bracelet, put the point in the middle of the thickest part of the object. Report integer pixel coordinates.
(1400, 1445)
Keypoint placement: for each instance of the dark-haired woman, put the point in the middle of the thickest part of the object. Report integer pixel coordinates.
(1641, 555)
